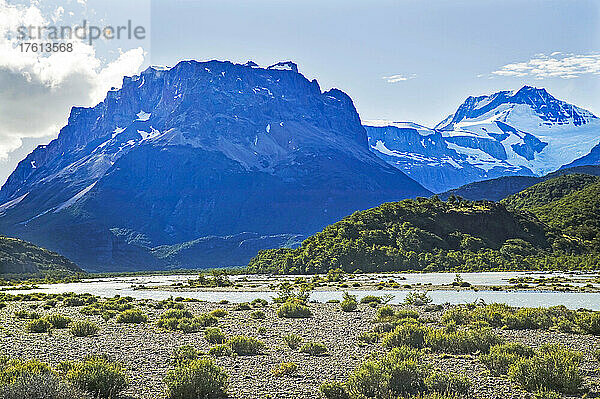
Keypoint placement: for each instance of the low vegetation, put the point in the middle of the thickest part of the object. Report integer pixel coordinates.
(132, 316)
(285, 369)
(349, 303)
(503, 316)
(243, 345)
(314, 348)
(197, 378)
(84, 328)
(184, 320)
(399, 373)
(97, 375)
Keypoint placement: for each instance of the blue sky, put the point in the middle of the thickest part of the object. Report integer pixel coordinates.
(411, 60)
(448, 50)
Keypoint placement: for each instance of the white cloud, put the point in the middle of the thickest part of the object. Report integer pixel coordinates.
(398, 78)
(38, 89)
(555, 65)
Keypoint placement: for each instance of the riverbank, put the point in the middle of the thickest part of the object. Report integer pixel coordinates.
(145, 350)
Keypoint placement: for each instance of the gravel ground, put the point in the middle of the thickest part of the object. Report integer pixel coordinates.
(145, 350)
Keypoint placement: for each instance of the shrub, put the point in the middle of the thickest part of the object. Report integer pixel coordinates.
(463, 341)
(41, 386)
(23, 314)
(132, 316)
(214, 335)
(314, 348)
(349, 303)
(397, 373)
(502, 356)
(109, 306)
(259, 302)
(58, 320)
(292, 340)
(457, 315)
(492, 314)
(285, 369)
(546, 394)
(243, 345)
(406, 314)
(38, 326)
(200, 378)
(183, 320)
(13, 370)
(98, 376)
(368, 337)
(219, 313)
(552, 367)
(220, 350)
(417, 298)
(529, 318)
(242, 306)
(409, 334)
(565, 325)
(84, 328)
(184, 354)
(589, 322)
(385, 313)
(334, 390)
(370, 299)
(383, 328)
(447, 383)
(258, 314)
(294, 310)
(197, 323)
(176, 314)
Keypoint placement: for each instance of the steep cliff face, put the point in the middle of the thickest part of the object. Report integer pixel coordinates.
(201, 149)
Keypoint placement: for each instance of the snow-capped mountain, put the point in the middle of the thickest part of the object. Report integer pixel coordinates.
(203, 149)
(527, 132)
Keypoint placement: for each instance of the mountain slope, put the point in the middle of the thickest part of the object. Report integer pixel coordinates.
(546, 192)
(569, 204)
(500, 188)
(431, 158)
(199, 150)
(592, 158)
(523, 133)
(21, 257)
(422, 234)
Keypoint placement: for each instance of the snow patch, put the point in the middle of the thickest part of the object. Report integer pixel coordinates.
(74, 198)
(143, 116)
(12, 202)
(117, 131)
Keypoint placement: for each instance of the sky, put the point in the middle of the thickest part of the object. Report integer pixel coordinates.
(403, 60)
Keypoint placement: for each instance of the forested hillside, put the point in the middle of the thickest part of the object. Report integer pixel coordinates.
(553, 224)
(568, 204)
(21, 257)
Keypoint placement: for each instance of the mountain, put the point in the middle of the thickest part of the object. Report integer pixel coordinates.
(551, 225)
(502, 187)
(21, 257)
(192, 157)
(434, 159)
(593, 158)
(523, 133)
